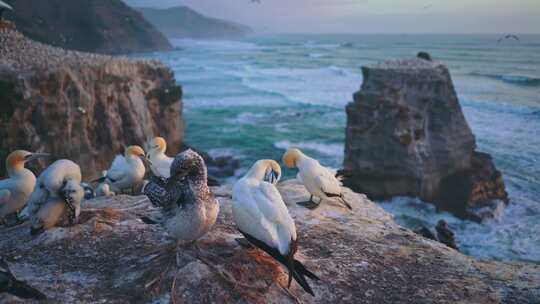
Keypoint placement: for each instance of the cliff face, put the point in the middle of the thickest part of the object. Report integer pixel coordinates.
(81, 106)
(361, 256)
(103, 26)
(183, 22)
(406, 135)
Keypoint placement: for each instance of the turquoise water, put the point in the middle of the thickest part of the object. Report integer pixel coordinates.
(255, 98)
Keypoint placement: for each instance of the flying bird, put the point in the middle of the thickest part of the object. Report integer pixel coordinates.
(318, 180)
(160, 164)
(9, 284)
(57, 196)
(4, 6)
(16, 190)
(509, 36)
(126, 171)
(188, 207)
(263, 218)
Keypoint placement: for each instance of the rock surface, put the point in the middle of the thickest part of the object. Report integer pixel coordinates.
(82, 106)
(103, 26)
(360, 255)
(407, 136)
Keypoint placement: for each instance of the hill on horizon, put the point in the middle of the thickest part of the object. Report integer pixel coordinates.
(184, 22)
(102, 26)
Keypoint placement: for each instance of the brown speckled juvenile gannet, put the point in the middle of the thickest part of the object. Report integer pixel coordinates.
(189, 209)
(15, 190)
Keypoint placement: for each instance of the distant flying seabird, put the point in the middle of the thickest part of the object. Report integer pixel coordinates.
(188, 207)
(318, 180)
(9, 284)
(16, 190)
(160, 164)
(126, 171)
(509, 36)
(264, 220)
(4, 6)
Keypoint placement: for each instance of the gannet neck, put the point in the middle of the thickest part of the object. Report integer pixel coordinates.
(259, 169)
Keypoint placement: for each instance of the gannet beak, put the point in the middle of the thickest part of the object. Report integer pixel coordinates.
(146, 160)
(272, 177)
(35, 156)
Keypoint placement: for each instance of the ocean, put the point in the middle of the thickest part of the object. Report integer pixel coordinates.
(256, 97)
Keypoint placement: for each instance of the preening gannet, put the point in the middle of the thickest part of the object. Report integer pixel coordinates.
(318, 180)
(61, 210)
(189, 208)
(160, 164)
(263, 218)
(15, 190)
(60, 182)
(9, 284)
(127, 171)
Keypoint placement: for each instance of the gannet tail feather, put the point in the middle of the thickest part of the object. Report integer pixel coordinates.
(341, 199)
(296, 269)
(25, 291)
(99, 180)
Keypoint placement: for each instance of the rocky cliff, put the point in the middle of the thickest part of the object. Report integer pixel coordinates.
(184, 22)
(406, 136)
(103, 26)
(361, 256)
(82, 106)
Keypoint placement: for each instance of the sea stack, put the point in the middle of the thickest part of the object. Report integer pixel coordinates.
(406, 135)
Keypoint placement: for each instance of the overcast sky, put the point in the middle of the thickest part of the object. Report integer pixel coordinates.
(371, 16)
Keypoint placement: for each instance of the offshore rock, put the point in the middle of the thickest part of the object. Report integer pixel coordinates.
(360, 255)
(406, 135)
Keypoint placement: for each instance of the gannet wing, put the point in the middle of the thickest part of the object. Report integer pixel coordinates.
(118, 168)
(5, 196)
(164, 167)
(299, 178)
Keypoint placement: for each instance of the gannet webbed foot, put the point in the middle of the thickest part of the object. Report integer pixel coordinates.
(311, 205)
(244, 243)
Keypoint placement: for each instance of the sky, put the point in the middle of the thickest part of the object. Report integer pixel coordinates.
(370, 16)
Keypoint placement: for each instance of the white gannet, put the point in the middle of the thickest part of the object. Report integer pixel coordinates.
(160, 164)
(16, 190)
(9, 284)
(263, 218)
(58, 211)
(103, 189)
(60, 181)
(318, 180)
(4, 6)
(127, 171)
(189, 209)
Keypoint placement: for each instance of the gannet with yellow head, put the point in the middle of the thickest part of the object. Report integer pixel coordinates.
(126, 171)
(59, 184)
(160, 164)
(318, 180)
(263, 218)
(15, 190)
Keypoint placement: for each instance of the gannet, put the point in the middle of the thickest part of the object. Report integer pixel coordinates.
(318, 180)
(58, 211)
(9, 284)
(61, 181)
(160, 164)
(127, 171)
(103, 189)
(262, 217)
(189, 209)
(4, 6)
(15, 190)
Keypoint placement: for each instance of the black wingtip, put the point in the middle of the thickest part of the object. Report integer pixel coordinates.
(24, 291)
(148, 220)
(99, 180)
